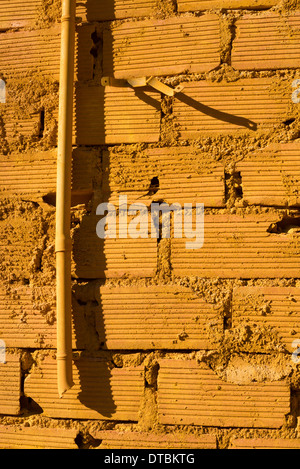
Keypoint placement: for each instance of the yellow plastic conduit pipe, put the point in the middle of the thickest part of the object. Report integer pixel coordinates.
(63, 243)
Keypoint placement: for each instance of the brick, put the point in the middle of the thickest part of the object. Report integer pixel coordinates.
(270, 41)
(21, 437)
(155, 317)
(276, 307)
(189, 394)
(32, 175)
(238, 246)
(198, 178)
(38, 51)
(198, 5)
(271, 176)
(22, 235)
(28, 318)
(10, 385)
(93, 10)
(265, 443)
(16, 14)
(143, 440)
(111, 258)
(224, 108)
(111, 115)
(140, 49)
(99, 392)
(19, 128)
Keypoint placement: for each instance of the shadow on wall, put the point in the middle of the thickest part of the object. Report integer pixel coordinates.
(95, 376)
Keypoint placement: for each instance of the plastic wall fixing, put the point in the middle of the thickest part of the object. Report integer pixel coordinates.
(142, 82)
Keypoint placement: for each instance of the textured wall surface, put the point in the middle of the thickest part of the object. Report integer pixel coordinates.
(172, 347)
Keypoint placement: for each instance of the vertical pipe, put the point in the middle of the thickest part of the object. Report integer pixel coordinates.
(63, 199)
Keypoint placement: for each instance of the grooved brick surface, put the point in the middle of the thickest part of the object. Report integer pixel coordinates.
(195, 5)
(32, 175)
(28, 318)
(38, 51)
(265, 443)
(272, 176)
(267, 42)
(140, 49)
(94, 257)
(94, 10)
(10, 385)
(189, 394)
(112, 115)
(155, 317)
(184, 174)
(99, 392)
(142, 440)
(18, 14)
(21, 437)
(275, 307)
(246, 105)
(239, 246)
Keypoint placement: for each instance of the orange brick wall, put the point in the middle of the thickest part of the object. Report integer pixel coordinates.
(172, 348)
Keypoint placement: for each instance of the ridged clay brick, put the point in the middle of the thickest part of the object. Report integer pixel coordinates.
(10, 385)
(271, 176)
(243, 106)
(265, 443)
(32, 175)
(93, 10)
(198, 5)
(38, 51)
(28, 318)
(18, 14)
(155, 317)
(21, 437)
(275, 307)
(191, 394)
(184, 176)
(143, 440)
(238, 246)
(270, 41)
(112, 115)
(100, 391)
(94, 257)
(187, 45)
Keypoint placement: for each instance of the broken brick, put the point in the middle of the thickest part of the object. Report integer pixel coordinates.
(274, 307)
(199, 179)
(100, 391)
(271, 176)
(193, 394)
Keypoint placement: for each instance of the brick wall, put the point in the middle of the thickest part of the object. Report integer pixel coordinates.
(172, 348)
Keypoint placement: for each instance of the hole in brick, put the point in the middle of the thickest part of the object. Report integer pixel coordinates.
(289, 121)
(87, 441)
(2, 92)
(77, 198)
(287, 225)
(154, 186)
(42, 123)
